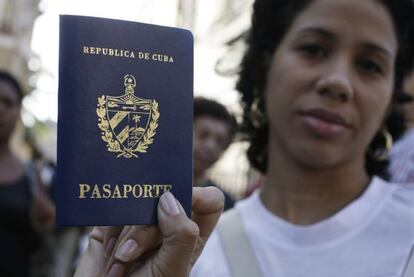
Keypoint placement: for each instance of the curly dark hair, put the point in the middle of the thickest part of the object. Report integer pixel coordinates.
(270, 22)
(211, 108)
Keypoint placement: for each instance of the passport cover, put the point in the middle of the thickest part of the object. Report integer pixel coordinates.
(124, 120)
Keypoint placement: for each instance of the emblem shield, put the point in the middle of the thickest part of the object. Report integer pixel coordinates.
(127, 121)
(128, 118)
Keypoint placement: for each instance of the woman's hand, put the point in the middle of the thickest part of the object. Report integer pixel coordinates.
(169, 249)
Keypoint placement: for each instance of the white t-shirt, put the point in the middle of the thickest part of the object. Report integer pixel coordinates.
(402, 159)
(371, 237)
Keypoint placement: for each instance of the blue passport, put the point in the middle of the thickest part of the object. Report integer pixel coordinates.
(124, 120)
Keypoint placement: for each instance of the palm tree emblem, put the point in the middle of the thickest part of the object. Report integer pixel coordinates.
(136, 118)
(135, 132)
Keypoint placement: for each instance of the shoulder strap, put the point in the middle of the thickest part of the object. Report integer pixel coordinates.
(409, 269)
(32, 179)
(237, 249)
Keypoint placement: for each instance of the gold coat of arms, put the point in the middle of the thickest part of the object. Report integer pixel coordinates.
(128, 123)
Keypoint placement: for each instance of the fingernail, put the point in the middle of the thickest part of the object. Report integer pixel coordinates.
(169, 204)
(116, 270)
(126, 250)
(110, 246)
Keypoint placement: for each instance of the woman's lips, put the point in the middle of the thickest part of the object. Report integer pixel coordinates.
(325, 124)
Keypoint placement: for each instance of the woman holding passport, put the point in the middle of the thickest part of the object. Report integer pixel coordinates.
(319, 82)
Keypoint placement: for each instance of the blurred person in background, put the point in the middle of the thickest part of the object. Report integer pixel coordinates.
(26, 211)
(402, 154)
(318, 83)
(214, 128)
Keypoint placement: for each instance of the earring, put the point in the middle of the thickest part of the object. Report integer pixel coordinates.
(257, 116)
(381, 154)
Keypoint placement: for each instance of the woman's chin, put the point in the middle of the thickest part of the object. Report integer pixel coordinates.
(319, 157)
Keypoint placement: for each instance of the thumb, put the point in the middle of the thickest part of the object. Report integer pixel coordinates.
(179, 238)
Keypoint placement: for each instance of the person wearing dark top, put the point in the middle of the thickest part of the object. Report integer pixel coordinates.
(214, 129)
(24, 209)
(16, 232)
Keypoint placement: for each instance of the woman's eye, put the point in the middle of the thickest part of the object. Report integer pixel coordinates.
(370, 66)
(314, 50)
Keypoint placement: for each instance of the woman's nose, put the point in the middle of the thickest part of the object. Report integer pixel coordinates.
(336, 82)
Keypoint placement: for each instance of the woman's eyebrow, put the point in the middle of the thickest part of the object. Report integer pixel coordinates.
(320, 32)
(374, 47)
(329, 35)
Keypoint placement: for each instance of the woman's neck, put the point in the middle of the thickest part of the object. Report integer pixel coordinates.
(305, 196)
(11, 168)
